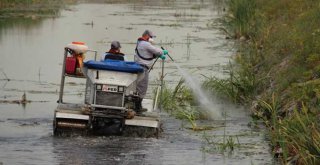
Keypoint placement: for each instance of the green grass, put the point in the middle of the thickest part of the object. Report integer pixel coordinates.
(26, 8)
(298, 135)
(239, 22)
(239, 86)
(180, 103)
(277, 65)
(215, 144)
(179, 96)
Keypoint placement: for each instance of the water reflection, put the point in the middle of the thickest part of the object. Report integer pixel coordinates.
(24, 24)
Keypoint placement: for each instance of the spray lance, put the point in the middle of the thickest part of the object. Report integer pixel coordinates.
(168, 54)
(161, 80)
(158, 58)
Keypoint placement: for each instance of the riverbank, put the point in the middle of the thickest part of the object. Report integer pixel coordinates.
(31, 8)
(276, 70)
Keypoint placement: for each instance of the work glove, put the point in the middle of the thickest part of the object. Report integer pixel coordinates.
(163, 57)
(164, 52)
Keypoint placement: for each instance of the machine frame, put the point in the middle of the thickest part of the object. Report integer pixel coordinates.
(86, 118)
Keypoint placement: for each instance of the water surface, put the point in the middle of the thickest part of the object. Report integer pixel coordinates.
(31, 57)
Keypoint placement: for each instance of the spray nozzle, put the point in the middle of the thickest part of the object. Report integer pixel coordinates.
(167, 54)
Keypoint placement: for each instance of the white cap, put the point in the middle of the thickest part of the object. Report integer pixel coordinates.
(148, 32)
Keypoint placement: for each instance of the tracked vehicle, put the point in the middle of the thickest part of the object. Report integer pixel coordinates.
(110, 96)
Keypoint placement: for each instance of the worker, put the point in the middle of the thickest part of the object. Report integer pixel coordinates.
(145, 55)
(114, 53)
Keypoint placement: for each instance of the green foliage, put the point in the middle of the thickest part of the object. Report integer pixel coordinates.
(180, 96)
(298, 136)
(280, 57)
(215, 143)
(239, 86)
(307, 92)
(188, 113)
(29, 8)
(239, 21)
(180, 103)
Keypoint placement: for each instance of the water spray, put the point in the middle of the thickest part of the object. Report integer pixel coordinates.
(157, 60)
(195, 86)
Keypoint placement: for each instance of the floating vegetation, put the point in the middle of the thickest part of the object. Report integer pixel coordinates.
(5, 76)
(222, 143)
(14, 101)
(196, 7)
(185, 14)
(227, 143)
(22, 101)
(159, 24)
(190, 115)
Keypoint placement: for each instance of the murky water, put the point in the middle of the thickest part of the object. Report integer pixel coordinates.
(31, 56)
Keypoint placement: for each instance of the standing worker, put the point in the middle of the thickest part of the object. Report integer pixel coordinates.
(145, 55)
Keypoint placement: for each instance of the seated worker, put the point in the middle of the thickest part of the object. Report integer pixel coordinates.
(114, 53)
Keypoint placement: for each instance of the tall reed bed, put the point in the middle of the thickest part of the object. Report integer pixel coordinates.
(277, 66)
(239, 86)
(240, 21)
(25, 8)
(26, 3)
(295, 138)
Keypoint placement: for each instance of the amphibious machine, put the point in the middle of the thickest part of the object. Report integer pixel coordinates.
(109, 101)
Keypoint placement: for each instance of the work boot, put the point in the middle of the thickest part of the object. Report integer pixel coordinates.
(138, 107)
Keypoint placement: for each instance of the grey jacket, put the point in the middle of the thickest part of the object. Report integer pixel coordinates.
(146, 50)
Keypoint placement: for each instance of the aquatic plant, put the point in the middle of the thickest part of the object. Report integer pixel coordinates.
(295, 139)
(239, 22)
(278, 52)
(180, 96)
(180, 103)
(190, 114)
(239, 86)
(215, 143)
(177, 103)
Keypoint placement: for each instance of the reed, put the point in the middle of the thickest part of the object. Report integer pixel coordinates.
(221, 144)
(295, 139)
(179, 96)
(239, 86)
(239, 21)
(180, 103)
(277, 63)
(31, 8)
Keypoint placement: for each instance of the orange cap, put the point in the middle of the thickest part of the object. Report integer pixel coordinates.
(78, 43)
